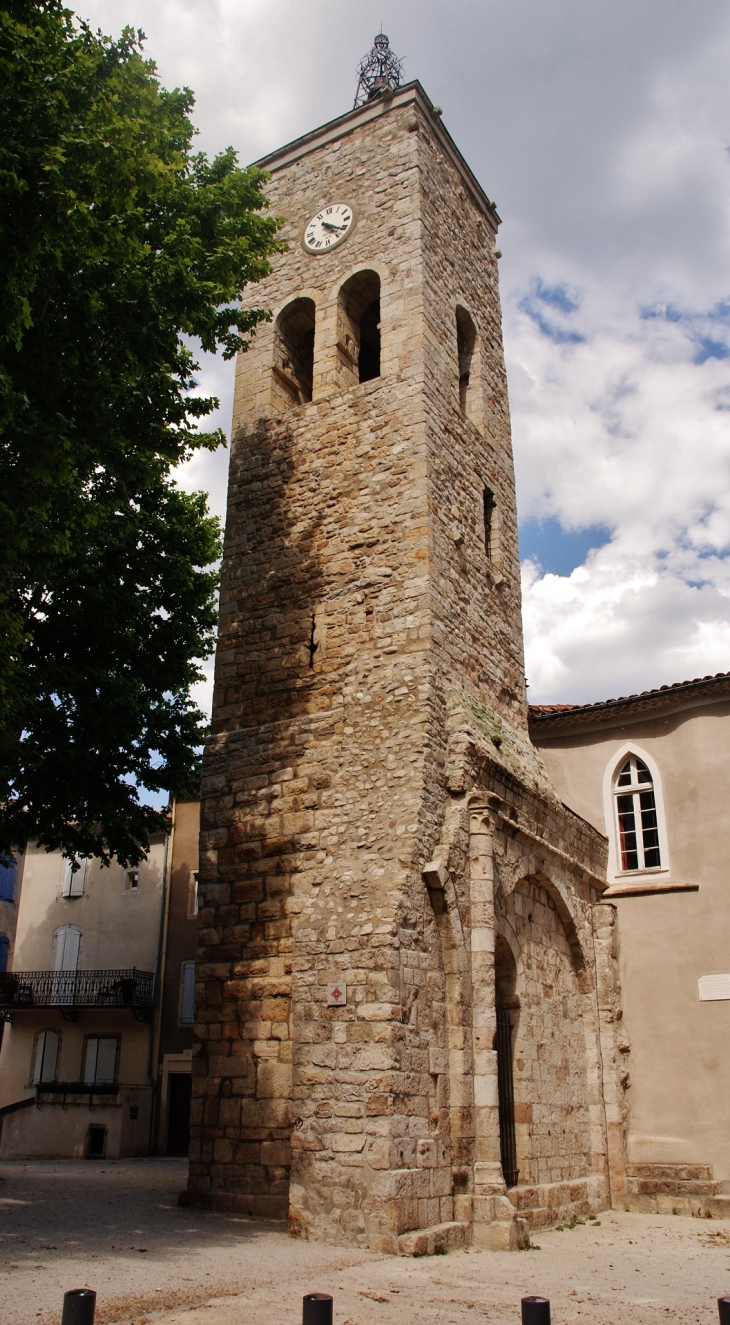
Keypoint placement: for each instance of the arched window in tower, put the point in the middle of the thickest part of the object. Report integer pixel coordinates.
(358, 340)
(466, 341)
(636, 816)
(294, 353)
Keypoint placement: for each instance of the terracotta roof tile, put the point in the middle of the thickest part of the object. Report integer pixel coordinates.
(644, 698)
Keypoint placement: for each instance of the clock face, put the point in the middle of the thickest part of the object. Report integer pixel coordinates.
(328, 228)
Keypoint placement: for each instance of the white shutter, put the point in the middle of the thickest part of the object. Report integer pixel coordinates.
(46, 1056)
(38, 1064)
(66, 943)
(106, 1061)
(101, 1061)
(73, 883)
(187, 998)
(92, 1047)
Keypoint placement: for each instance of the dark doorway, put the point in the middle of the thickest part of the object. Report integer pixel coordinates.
(505, 973)
(179, 1091)
(507, 1139)
(96, 1142)
(368, 364)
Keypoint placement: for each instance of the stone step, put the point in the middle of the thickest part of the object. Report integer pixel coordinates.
(671, 1187)
(681, 1172)
(434, 1240)
(719, 1207)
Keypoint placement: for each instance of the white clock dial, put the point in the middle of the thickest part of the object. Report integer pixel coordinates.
(328, 228)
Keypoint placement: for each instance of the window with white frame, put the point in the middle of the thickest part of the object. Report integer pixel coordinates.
(73, 880)
(100, 1060)
(45, 1058)
(187, 994)
(636, 816)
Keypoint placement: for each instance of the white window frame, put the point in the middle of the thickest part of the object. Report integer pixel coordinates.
(614, 871)
(131, 881)
(72, 884)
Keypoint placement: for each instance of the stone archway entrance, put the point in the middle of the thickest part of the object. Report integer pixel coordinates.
(551, 1109)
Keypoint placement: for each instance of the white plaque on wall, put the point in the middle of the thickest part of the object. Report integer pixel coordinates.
(713, 987)
(337, 994)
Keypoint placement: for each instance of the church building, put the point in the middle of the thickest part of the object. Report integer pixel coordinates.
(407, 997)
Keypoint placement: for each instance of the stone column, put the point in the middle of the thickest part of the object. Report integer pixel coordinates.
(494, 1215)
(607, 997)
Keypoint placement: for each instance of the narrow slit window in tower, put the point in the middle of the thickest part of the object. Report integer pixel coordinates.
(489, 509)
(466, 337)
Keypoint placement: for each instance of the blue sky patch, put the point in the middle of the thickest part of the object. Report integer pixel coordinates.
(708, 348)
(544, 300)
(701, 326)
(558, 551)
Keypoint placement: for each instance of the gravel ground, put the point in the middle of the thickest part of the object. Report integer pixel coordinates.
(115, 1227)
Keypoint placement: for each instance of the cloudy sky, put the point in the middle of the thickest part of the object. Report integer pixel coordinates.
(603, 132)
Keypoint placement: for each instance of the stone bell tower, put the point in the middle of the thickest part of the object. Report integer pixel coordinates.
(406, 990)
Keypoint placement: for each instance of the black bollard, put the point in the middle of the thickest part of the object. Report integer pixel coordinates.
(317, 1309)
(723, 1306)
(79, 1305)
(536, 1311)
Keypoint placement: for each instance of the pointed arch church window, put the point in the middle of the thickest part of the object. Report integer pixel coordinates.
(636, 816)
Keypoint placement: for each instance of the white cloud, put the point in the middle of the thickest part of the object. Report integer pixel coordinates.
(602, 130)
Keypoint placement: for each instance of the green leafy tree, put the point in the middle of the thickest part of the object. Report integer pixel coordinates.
(120, 247)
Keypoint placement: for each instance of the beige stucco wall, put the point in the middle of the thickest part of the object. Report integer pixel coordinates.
(678, 1061)
(119, 928)
(54, 1130)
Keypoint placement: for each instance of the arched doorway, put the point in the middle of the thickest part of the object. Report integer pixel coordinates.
(548, 1047)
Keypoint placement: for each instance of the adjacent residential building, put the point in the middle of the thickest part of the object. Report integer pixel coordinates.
(176, 1012)
(652, 772)
(97, 1025)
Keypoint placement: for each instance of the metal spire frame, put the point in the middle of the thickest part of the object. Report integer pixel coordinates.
(379, 70)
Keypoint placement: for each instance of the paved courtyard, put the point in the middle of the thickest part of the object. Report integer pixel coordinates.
(115, 1227)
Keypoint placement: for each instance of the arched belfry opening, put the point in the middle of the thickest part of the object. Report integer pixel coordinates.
(294, 352)
(466, 344)
(358, 341)
(507, 1008)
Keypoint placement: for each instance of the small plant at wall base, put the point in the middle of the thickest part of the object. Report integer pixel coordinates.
(117, 242)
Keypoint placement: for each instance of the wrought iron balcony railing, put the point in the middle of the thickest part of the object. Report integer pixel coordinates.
(76, 989)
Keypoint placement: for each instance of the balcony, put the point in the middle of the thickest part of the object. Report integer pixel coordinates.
(68, 991)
